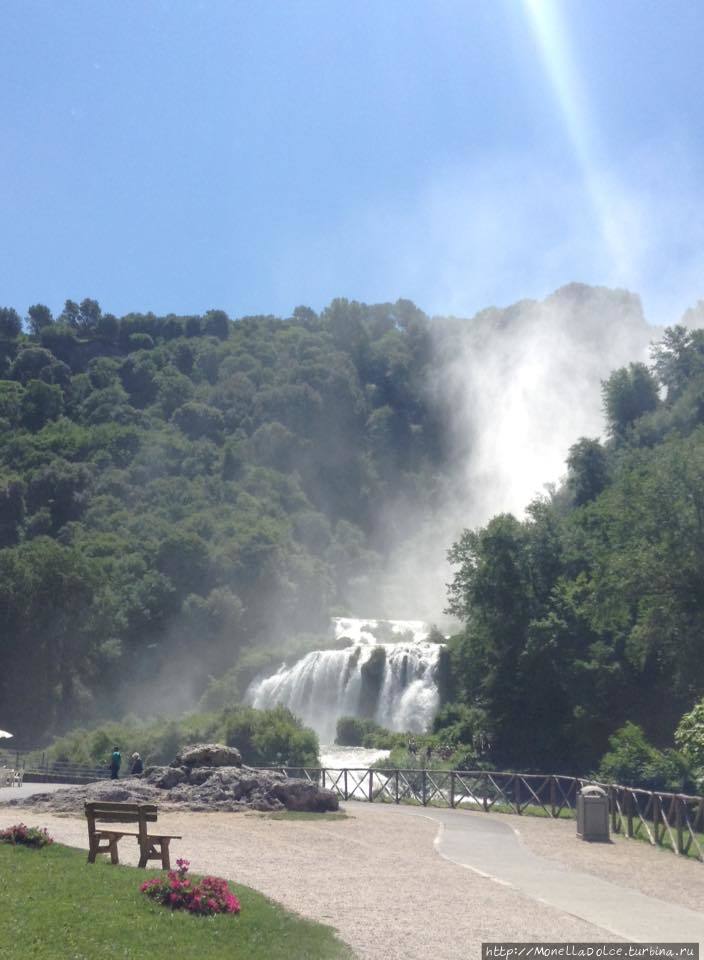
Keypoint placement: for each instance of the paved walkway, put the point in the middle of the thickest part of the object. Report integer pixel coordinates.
(492, 849)
(27, 789)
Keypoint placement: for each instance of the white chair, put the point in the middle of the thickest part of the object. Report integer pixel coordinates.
(18, 777)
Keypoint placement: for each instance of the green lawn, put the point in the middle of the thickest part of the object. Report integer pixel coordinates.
(55, 906)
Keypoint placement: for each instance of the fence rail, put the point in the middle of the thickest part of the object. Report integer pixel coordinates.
(42, 770)
(671, 820)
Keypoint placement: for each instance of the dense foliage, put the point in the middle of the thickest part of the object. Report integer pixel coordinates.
(175, 491)
(589, 613)
(689, 737)
(261, 736)
(180, 497)
(362, 732)
(632, 761)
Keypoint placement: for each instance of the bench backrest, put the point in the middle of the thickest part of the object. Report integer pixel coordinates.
(113, 812)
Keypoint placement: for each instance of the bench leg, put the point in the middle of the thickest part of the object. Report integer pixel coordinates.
(113, 850)
(165, 859)
(92, 850)
(143, 854)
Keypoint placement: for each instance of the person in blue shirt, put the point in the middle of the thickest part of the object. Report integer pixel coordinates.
(115, 761)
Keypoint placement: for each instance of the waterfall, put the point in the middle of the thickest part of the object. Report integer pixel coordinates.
(387, 673)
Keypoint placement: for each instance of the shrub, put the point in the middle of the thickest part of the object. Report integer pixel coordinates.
(359, 732)
(689, 737)
(26, 836)
(263, 736)
(635, 762)
(208, 896)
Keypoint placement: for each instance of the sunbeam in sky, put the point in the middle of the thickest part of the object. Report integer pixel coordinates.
(560, 63)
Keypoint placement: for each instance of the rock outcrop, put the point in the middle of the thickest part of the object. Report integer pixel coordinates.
(208, 755)
(201, 777)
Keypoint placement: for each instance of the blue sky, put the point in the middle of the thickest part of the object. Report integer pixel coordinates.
(178, 156)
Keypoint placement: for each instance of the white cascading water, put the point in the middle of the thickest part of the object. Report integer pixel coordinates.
(327, 684)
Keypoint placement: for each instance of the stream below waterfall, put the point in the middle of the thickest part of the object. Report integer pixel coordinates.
(386, 672)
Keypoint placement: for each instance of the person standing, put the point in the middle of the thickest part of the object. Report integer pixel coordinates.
(115, 762)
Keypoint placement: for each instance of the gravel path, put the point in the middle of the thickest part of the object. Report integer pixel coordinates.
(378, 880)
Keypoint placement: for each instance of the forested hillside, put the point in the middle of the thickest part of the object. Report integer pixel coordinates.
(590, 611)
(180, 494)
(175, 488)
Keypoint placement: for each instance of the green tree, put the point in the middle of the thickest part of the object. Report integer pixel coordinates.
(62, 488)
(60, 339)
(10, 323)
(10, 402)
(183, 557)
(628, 394)
(689, 737)
(41, 402)
(12, 510)
(38, 317)
(199, 420)
(678, 359)
(107, 327)
(634, 762)
(30, 362)
(139, 378)
(216, 323)
(588, 470)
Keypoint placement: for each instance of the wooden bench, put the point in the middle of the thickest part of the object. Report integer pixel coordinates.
(101, 840)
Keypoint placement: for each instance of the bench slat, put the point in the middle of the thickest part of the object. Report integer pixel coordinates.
(123, 817)
(115, 833)
(121, 812)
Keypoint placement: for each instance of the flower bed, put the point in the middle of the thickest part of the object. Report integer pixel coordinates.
(207, 896)
(20, 833)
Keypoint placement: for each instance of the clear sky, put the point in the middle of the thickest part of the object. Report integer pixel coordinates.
(253, 156)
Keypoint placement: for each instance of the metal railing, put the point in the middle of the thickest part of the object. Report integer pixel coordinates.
(43, 770)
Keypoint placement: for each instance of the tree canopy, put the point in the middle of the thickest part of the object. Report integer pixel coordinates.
(175, 490)
(589, 614)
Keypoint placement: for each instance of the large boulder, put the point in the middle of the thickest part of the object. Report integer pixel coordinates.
(303, 795)
(208, 755)
(166, 778)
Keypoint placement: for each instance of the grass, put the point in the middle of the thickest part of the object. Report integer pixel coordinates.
(665, 842)
(55, 906)
(534, 810)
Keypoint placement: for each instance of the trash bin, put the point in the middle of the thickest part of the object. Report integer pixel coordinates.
(592, 813)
